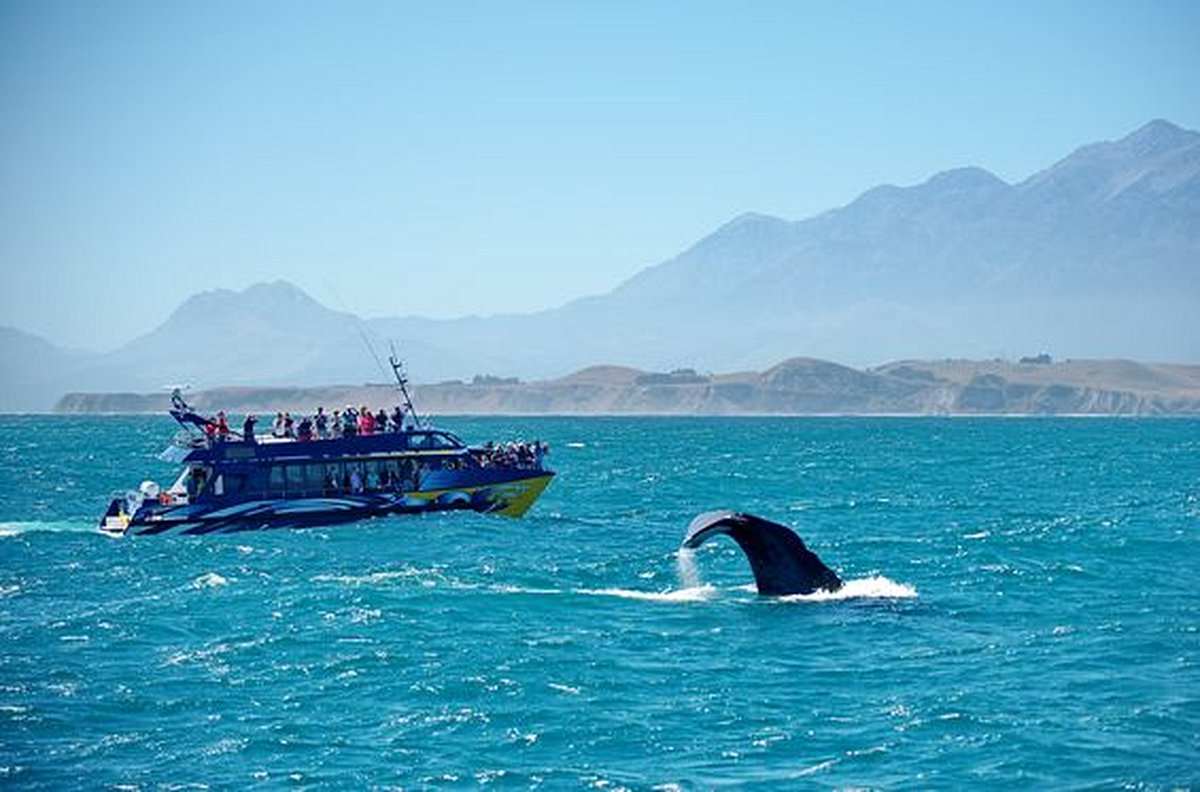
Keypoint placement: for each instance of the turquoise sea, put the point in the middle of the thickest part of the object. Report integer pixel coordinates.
(1023, 610)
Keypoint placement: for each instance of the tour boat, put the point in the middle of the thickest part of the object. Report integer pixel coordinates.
(230, 482)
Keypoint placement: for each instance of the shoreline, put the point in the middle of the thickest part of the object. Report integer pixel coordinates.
(798, 386)
(740, 415)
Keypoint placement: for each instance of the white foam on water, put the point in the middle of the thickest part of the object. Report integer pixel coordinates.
(877, 587)
(375, 577)
(9, 529)
(819, 767)
(210, 580)
(504, 588)
(864, 588)
(697, 594)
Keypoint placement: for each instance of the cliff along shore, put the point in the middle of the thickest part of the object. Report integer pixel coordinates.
(799, 386)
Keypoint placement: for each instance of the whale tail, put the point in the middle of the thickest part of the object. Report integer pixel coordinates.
(781, 562)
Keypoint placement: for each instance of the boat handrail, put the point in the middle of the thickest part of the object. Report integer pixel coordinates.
(185, 439)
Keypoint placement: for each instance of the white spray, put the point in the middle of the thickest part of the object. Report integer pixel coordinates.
(689, 573)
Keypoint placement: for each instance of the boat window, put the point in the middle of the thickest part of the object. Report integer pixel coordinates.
(197, 479)
(295, 479)
(389, 474)
(409, 474)
(332, 483)
(384, 476)
(275, 481)
(356, 477)
(314, 478)
(435, 440)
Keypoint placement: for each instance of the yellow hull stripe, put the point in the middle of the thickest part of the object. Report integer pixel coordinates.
(512, 498)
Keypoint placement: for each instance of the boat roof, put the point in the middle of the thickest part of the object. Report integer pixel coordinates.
(408, 441)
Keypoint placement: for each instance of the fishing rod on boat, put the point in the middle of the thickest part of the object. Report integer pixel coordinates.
(402, 384)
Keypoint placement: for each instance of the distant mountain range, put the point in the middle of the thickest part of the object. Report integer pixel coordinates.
(1097, 256)
(801, 386)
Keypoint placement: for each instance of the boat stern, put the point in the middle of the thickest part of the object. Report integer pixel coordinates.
(115, 521)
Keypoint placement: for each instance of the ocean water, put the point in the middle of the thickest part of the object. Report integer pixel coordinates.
(1022, 609)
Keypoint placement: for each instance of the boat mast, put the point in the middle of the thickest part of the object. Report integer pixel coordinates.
(402, 386)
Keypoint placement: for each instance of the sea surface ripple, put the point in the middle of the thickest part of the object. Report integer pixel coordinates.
(1022, 609)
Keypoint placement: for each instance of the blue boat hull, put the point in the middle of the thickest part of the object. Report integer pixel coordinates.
(510, 498)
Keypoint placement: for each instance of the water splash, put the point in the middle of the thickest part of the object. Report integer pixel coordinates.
(689, 572)
(877, 587)
(210, 580)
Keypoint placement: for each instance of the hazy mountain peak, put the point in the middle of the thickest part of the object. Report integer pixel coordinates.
(259, 298)
(1158, 136)
(970, 178)
(277, 290)
(30, 345)
(750, 234)
(1157, 158)
(751, 220)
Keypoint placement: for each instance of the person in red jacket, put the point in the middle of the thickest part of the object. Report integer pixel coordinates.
(366, 421)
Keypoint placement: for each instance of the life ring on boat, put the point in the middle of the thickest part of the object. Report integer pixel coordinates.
(164, 498)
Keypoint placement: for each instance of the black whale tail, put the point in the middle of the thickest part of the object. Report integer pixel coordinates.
(781, 563)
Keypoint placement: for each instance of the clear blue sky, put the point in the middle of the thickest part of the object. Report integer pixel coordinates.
(446, 158)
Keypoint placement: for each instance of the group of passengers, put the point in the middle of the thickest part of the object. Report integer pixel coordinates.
(513, 455)
(320, 425)
(350, 422)
(217, 429)
(355, 480)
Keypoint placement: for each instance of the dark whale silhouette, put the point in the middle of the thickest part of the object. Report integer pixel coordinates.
(781, 563)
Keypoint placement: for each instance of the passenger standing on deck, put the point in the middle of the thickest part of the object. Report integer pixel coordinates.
(277, 425)
(321, 420)
(381, 421)
(397, 418)
(289, 425)
(222, 426)
(335, 428)
(366, 421)
(349, 422)
(248, 428)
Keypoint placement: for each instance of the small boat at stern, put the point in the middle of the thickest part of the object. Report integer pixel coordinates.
(321, 476)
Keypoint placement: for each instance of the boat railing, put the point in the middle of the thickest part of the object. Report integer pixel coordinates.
(185, 439)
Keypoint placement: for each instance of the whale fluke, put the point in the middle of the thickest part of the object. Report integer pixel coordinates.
(781, 563)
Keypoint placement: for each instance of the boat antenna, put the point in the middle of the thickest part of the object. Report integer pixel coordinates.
(358, 327)
(397, 366)
(402, 385)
